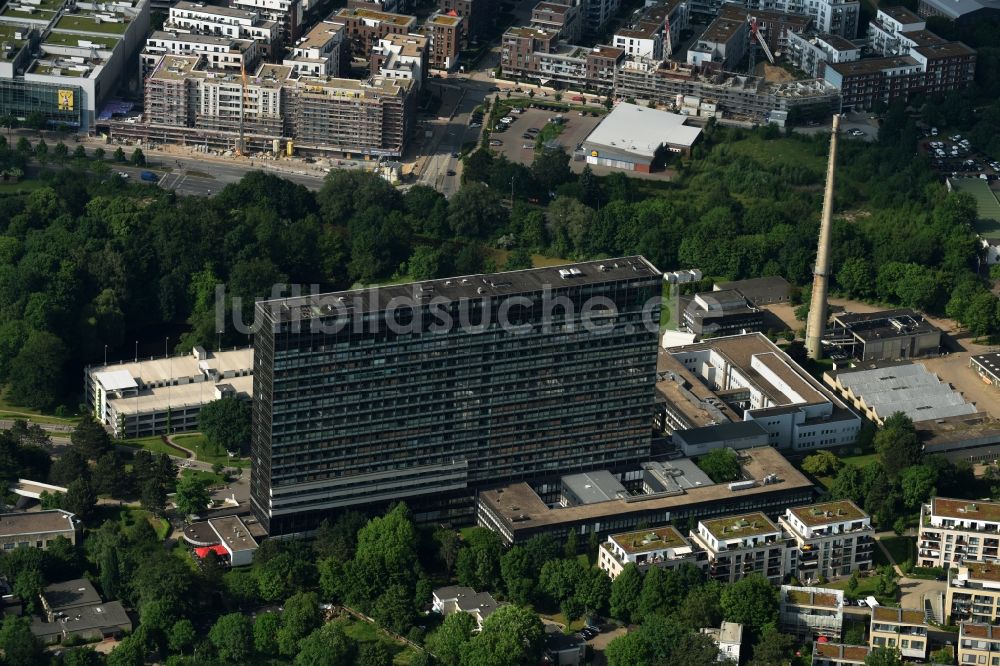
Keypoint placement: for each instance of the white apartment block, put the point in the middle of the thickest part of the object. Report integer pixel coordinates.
(953, 531)
(831, 539)
(738, 546)
(836, 17)
(401, 57)
(886, 31)
(163, 395)
(759, 381)
(287, 14)
(199, 18)
(663, 547)
(811, 611)
(973, 593)
(319, 52)
(222, 53)
(810, 52)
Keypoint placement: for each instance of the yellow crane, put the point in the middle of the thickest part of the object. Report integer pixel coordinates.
(240, 146)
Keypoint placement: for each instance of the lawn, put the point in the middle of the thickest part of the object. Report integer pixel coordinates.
(22, 187)
(87, 24)
(154, 445)
(66, 39)
(900, 549)
(548, 133)
(365, 632)
(211, 478)
(780, 151)
(9, 410)
(203, 452)
(866, 587)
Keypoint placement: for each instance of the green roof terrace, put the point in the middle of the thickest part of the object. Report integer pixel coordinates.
(70, 39)
(739, 527)
(90, 25)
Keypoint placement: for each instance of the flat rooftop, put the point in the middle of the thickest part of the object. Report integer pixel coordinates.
(957, 431)
(70, 594)
(402, 20)
(901, 14)
(838, 42)
(901, 322)
(721, 432)
(162, 369)
(837, 652)
(644, 541)
(319, 36)
(740, 527)
(233, 533)
(636, 129)
(801, 596)
(898, 615)
(487, 285)
(521, 506)
(827, 513)
(764, 288)
(965, 509)
(872, 65)
(977, 630)
(989, 571)
(217, 10)
(35, 522)
(721, 30)
(444, 20)
(696, 402)
(180, 395)
(597, 486)
(945, 50)
(907, 388)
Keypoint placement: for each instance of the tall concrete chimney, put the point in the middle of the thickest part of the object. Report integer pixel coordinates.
(816, 324)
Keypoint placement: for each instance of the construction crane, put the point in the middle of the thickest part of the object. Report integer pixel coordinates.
(756, 36)
(241, 147)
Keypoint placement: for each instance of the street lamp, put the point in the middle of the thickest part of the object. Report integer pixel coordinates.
(105, 355)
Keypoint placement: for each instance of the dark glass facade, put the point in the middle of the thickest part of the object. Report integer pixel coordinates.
(359, 414)
(60, 104)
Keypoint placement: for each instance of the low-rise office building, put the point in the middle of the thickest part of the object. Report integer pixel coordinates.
(36, 529)
(757, 381)
(832, 539)
(738, 546)
(444, 37)
(769, 483)
(883, 336)
(635, 138)
(227, 536)
(73, 608)
(953, 531)
(811, 612)
(760, 291)
(899, 628)
(662, 547)
(722, 312)
(973, 593)
(978, 643)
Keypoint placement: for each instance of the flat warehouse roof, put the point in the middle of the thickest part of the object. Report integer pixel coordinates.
(635, 129)
(910, 389)
(35, 522)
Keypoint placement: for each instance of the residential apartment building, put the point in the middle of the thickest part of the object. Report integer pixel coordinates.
(364, 27)
(725, 93)
(722, 46)
(662, 547)
(656, 33)
(36, 529)
(457, 599)
(928, 69)
(162, 395)
(199, 18)
(836, 17)
(187, 102)
(222, 53)
(537, 54)
(65, 59)
(738, 546)
(837, 654)
(286, 14)
(978, 643)
(759, 382)
(832, 539)
(776, 27)
(323, 51)
(471, 404)
(899, 628)
(885, 31)
(401, 57)
(973, 593)
(729, 639)
(475, 15)
(444, 40)
(597, 13)
(564, 20)
(811, 51)
(811, 612)
(953, 531)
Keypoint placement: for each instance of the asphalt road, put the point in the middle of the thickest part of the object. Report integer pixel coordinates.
(181, 181)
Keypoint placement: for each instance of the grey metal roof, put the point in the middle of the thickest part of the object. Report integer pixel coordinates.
(910, 389)
(592, 487)
(721, 432)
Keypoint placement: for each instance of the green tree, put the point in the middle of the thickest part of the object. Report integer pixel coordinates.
(192, 496)
(60, 152)
(394, 609)
(572, 546)
(897, 444)
(822, 463)
(721, 465)
(42, 151)
(119, 155)
(448, 642)
(856, 277)
(80, 153)
(751, 601)
(300, 618)
(19, 645)
(852, 584)
(884, 657)
(232, 636)
(374, 654)
(80, 499)
(386, 554)
(449, 544)
(28, 584)
(35, 375)
(226, 423)
(918, 484)
(702, 606)
(511, 636)
(327, 646)
(773, 648)
(68, 467)
(89, 438)
(625, 592)
(518, 574)
(85, 656)
(182, 635)
(153, 496)
(518, 259)
(138, 158)
(475, 211)
(265, 634)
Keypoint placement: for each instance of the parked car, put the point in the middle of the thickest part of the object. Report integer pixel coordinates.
(450, 172)
(496, 142)
(149, 177)
(122, 174)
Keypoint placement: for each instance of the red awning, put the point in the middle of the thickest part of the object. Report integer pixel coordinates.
(218, 549)
(822, 639)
